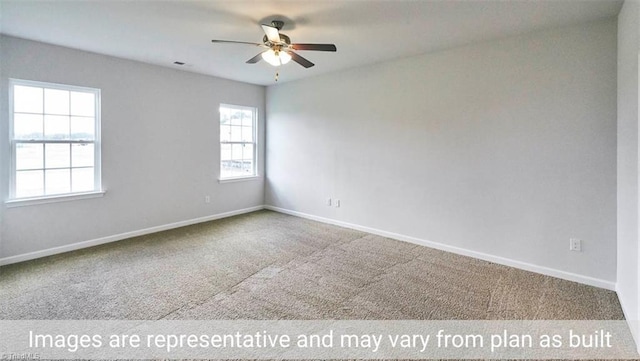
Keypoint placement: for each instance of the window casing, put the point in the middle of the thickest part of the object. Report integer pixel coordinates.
(238, 144)
(54, 134)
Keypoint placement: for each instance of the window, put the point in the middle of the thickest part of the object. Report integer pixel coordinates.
(238, 145)
(55, 139)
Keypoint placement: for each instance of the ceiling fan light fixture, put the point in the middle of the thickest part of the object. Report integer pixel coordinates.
(270, 57)
(285, 57)
(276, 58)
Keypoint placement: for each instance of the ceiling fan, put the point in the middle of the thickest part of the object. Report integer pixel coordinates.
(279, 48)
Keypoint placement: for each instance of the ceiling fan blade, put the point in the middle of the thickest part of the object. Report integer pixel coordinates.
(255, 59)
(272, 33)
(317, 47)
(300, 60)
(235, 42)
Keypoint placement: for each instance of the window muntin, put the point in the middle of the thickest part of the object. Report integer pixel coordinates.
(55, 140)
(238, 146)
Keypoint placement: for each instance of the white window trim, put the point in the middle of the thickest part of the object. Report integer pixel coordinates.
(21, 202)
(256, 175)
(12, 201)
(239, 179)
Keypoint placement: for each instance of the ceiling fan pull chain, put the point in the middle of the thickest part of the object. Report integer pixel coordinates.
(277, 75)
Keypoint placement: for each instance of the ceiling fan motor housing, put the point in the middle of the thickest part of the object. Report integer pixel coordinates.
(283, 38)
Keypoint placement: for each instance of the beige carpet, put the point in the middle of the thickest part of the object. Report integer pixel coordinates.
(267, 265)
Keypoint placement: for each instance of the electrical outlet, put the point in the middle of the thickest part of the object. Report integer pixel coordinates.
(575, 244)
(207, 199)
(329, 202)
(337, 203)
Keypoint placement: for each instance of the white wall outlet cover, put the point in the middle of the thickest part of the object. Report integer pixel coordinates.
(575, 244)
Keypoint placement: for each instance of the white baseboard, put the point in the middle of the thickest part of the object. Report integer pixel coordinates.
(632, 321)
(457, 250)
(462, 251)
(121, 236)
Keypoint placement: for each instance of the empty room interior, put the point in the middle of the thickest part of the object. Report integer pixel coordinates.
(316, 160)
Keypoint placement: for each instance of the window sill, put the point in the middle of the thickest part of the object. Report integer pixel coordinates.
(21, 202)
(238, 179)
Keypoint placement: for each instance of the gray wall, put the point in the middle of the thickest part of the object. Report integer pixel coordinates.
(506, 148)
(160, 152)
(628, 277)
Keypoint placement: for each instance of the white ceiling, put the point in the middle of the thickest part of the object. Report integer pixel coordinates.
(364, 32)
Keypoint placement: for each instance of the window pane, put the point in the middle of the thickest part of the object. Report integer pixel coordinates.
(57, 155)
(225, 170)
(57, 181)
(82, 155)
(27, 126)
(82, 180)
(56, 127)
(83, 104)
(247, 118)
(236, 152)
(247, 167)
(56, 101)
(247, 134)
(236, 117)
(236, 134)
(27, 99)
(29, 156)
(231, 169)
(225, 133)
(225, 151)
(29, 183)
(224, 115)
(83, 128)
(247, 151)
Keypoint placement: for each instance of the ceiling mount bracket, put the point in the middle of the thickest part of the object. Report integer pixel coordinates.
(278, 24)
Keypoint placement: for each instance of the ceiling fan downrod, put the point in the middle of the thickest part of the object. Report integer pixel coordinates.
(278, 24)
